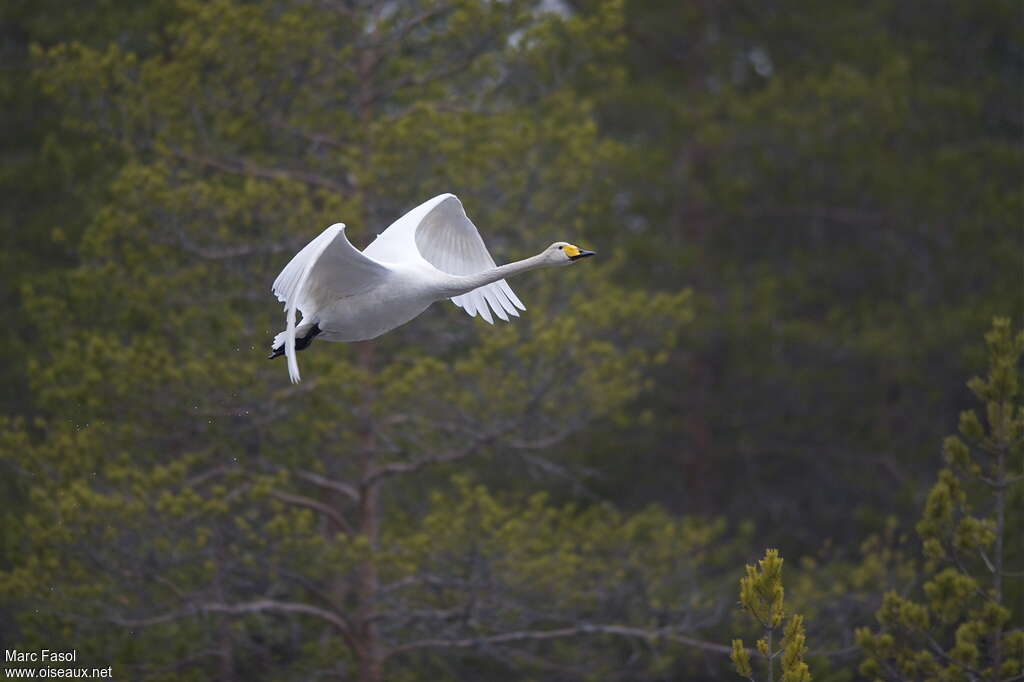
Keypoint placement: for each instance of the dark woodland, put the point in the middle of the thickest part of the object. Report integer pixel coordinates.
(773, 431)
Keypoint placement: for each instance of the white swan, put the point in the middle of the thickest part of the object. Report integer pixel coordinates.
(431, 253)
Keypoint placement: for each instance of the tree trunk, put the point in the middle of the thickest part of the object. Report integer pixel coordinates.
(369, 527)
(997, 559)
(370, 659)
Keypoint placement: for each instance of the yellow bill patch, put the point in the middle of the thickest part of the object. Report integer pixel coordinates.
(571, 251)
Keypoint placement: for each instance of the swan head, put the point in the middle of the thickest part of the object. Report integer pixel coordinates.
(564, 253)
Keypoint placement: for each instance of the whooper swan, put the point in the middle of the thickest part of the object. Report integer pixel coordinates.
(431, 253)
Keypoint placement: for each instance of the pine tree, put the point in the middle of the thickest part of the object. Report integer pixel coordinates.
(964, 625)
(192, 515)
(763, 599)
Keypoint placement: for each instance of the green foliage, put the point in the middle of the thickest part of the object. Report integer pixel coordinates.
(181, 494)
(814, 171)
(960, 628)
(233, 510)
(793, 649)
(761, 592)
(763, 598)
(50, 180)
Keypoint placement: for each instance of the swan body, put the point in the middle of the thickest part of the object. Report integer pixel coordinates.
(432, 253)
(401, 297)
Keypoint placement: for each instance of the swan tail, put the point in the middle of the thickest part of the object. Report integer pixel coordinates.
(304, 335)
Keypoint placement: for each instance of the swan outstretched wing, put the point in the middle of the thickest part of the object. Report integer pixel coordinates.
(326, 269)
(439, 232)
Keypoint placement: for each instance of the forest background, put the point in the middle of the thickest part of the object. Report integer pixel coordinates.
(808, 215)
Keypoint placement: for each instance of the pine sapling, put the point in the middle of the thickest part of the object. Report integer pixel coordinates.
(763, 598)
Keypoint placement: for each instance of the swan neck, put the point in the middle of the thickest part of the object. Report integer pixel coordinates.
(463, 284)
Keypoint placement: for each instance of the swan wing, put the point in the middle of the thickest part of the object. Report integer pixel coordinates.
(439, 232)
(326, 269)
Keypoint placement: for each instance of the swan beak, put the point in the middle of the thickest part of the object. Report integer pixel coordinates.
(582, 254)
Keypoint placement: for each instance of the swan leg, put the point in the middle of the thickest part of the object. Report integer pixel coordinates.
(300, 344)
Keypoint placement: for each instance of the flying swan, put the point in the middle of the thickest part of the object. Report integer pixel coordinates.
(431, 253)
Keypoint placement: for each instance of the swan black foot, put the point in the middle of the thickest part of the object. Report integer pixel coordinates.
(300, 344)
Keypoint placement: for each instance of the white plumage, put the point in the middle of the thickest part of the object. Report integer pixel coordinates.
(439, 233)
(431, 253)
